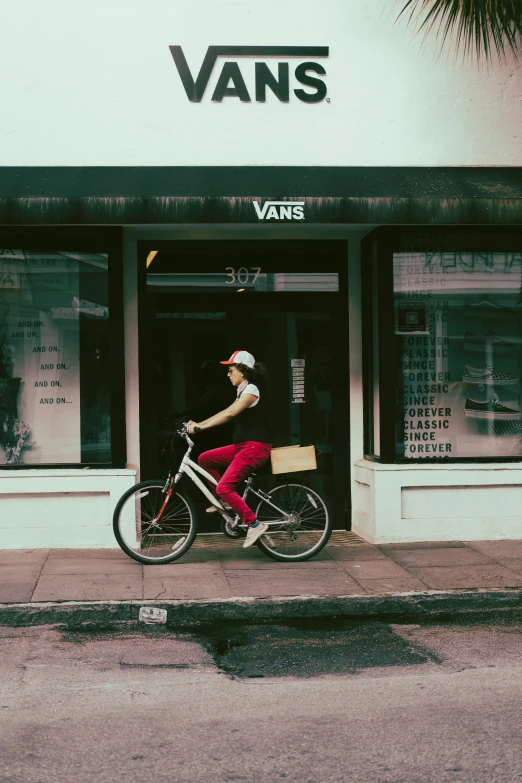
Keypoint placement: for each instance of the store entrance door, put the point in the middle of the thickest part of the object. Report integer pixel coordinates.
(293, 321)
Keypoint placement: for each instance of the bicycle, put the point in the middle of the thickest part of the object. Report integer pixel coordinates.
(155, 524)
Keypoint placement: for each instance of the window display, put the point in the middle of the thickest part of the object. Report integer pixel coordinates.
(458, 323)
(54, 391)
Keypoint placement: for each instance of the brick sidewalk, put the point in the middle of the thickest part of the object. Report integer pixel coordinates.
(218, 568)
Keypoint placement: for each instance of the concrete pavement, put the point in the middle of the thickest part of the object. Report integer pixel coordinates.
(349, 576)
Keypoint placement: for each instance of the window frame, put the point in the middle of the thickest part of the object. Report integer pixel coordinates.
(81, 240)
(377, 250)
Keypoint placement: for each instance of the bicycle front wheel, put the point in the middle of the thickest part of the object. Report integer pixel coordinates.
(146, 540)
(303, 532)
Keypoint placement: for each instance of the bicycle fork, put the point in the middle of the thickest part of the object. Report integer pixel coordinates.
(168, 489)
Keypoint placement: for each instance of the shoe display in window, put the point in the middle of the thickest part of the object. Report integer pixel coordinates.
(507, 427)
(491, 409)
(489, 307)
(473, 342)
(489, 376)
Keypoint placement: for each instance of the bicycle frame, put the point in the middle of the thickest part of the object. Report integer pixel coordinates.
(190, 468)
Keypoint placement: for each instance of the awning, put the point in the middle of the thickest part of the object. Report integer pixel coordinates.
(348, 195)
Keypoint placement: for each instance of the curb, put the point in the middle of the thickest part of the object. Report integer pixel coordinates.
(184, 613)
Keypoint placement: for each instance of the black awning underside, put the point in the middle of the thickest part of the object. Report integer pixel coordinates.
(349, 195)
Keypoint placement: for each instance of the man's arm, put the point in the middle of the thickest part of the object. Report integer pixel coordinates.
(243, 402)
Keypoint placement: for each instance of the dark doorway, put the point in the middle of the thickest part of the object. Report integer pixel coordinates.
(285, 302)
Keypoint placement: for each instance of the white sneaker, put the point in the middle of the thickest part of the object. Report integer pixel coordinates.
(254, 533)
(213, 509)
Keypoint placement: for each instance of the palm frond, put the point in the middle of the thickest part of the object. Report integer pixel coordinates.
(482, 26)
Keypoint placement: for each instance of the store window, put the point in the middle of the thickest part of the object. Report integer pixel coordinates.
(55, 363)
(458, 322)
(443, 334)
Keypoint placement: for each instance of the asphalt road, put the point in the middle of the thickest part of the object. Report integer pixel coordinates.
(307, 702)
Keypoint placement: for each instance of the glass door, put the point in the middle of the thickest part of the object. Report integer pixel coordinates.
(299, 334)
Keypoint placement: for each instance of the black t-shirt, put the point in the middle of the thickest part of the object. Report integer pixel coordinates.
(252, 423)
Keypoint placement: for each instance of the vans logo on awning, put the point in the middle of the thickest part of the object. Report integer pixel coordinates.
(264, 77)
(280, 210)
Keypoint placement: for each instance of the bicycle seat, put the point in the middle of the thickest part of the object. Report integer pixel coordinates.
(264, 470)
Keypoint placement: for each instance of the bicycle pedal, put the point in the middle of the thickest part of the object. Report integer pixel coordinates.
(213, 509)
(179, 543)
(269, 541)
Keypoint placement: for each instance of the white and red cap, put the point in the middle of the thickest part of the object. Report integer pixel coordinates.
(241, 357)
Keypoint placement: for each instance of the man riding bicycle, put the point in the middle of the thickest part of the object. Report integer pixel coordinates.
(251, 441)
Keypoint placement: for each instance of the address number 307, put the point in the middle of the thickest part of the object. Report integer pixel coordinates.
(242, 276)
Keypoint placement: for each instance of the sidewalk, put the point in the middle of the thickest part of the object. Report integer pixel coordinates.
(349, 576)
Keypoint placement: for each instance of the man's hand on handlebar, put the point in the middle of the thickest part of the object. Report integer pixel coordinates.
(192, 427)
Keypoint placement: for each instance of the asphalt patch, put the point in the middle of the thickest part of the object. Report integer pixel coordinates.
(310, 648)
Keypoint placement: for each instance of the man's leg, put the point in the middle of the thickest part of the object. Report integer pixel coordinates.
(216, 461)
(250, 456)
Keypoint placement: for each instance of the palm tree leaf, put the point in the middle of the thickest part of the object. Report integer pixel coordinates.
(478, 25)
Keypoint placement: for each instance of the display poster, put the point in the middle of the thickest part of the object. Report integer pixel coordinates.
(298, 380)
(39, 358)
(458, 320)
(412, 317)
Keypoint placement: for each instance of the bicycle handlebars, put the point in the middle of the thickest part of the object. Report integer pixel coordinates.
(183, 433)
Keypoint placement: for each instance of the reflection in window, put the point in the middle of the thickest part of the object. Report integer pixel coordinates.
(54, 358)
(458, 323)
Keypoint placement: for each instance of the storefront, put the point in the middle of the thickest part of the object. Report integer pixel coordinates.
(370, 258)
(442, 384)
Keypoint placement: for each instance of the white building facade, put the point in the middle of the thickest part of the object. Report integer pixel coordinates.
(307, 183)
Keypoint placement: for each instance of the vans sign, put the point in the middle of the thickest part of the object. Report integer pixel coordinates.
(280, 210)
(231, 83)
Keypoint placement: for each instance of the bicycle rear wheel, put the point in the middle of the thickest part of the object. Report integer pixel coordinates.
(143, 539)
(306, 531)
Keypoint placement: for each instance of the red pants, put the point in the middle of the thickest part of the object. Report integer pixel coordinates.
(230, 465)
